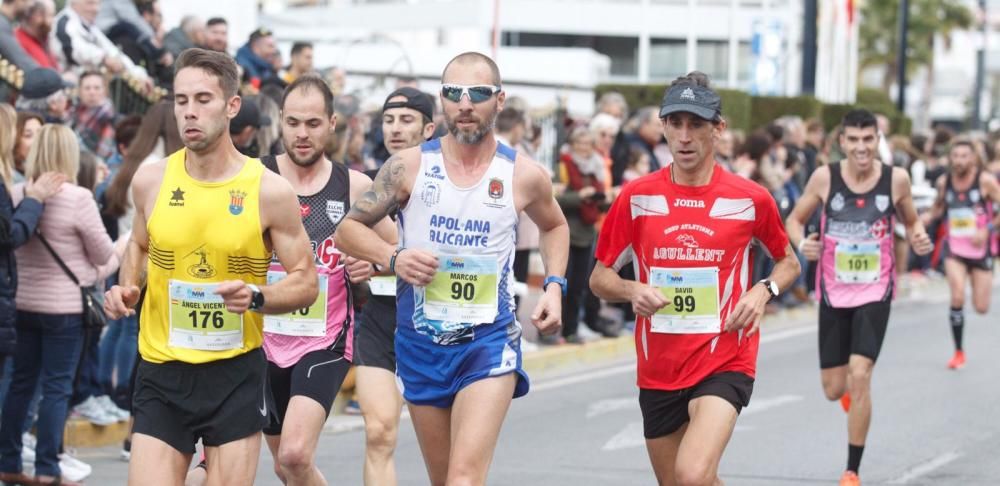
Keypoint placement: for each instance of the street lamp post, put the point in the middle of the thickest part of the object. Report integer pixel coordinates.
(904, 21)
(977, 95)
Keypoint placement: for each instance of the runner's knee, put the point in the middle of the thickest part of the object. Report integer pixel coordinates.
(695, 473)
(294, 459)
(833, 388)
(380, 436)
(861, 375)
(981, 307)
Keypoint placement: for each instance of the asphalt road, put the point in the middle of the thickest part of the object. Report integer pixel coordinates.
(930, 425)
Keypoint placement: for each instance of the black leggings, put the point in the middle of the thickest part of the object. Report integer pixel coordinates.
(580, 264)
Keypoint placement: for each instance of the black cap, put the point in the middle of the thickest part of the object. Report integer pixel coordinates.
(415, 99)
(42, 82)
(698, 100)
(249, 116)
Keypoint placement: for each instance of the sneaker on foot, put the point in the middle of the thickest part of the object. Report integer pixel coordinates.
(845, 402)
(112, 409)
(957, 361)
(126, 453)
(352, 408)
(850, 478)
(28, 448)
(91, 410)
(73, 469)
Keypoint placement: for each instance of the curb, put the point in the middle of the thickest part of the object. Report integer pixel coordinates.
(81, 433)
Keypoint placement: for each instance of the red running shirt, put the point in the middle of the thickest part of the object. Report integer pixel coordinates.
(655, 223)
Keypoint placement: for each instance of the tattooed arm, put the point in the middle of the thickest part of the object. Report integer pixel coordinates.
(389, 191)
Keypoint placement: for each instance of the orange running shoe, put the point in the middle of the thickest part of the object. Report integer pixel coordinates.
(850, 478)
(845, 402)
(957, 361)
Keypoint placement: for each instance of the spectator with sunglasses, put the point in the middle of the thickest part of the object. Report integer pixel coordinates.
(458, 351)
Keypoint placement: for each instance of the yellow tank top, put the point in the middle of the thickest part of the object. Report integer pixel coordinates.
(200, 234)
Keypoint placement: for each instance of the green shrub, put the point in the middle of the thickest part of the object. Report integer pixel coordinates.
(766, 109)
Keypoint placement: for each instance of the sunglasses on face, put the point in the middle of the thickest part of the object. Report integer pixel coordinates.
(477, 93)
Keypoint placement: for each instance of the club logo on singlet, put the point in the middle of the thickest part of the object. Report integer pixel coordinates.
(177, 198)
(882, 202)
(974, 196)
(335, 211)
(202, 269)
(687, 240)
(435, 173)
(236, 198)
(430, 194)
(496, 188)
(837, 203)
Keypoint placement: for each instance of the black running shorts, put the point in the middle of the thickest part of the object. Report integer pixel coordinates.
(318, 375)
(847, 331)
(375, 335)
(664, 412)
(217, 402)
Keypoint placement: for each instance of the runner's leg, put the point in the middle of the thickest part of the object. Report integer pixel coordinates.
(156, 463)
(233, 463)
(297, 446)
(859, 386)
(956, 273)
(273, 443)
(834, 382)
(712, 422)
(433, 428)
(982, 285)
(381, 404)
(476, 418)
(663, 455)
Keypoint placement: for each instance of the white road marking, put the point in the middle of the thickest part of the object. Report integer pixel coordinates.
(584, 376)
(926, 467)
(616, 404)
(763, 405)
(630, 436)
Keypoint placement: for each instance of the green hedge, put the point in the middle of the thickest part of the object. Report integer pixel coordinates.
(766, 109)
(747, 113)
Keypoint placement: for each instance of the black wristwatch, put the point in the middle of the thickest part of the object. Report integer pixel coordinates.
(256, 298)
(772, 288)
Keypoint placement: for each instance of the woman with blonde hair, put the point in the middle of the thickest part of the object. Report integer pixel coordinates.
(17, 223)
(49, 306)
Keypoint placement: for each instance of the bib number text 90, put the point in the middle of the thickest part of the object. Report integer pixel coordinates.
(462, 291)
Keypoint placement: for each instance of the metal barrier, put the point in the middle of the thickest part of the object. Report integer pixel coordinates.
(11, 81)
(127, 93)
(129, 96)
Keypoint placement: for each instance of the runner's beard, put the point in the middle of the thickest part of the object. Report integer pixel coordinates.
(474, 137)
(307, 161)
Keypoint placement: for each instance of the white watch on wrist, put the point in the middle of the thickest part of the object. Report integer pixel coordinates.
(772, 288)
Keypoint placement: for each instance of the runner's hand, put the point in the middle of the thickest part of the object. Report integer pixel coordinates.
(749, 310)
(358, 270)
(811, 247)
(921, 243)
(547, 316)
(235, 294)
(416, 267)
(979, 238)
(647, 300)
(120, 301)
(45, 186)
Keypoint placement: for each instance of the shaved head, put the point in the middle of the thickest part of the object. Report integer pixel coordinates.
(470, 59)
